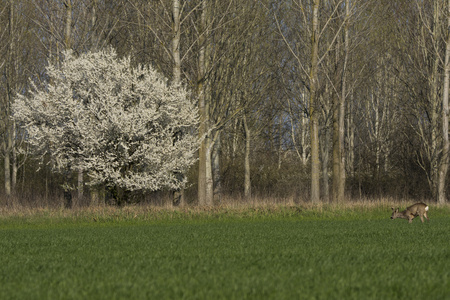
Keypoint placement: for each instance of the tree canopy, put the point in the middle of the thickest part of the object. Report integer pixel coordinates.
(124, 126)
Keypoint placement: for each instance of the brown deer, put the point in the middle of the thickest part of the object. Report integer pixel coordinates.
(418, 209)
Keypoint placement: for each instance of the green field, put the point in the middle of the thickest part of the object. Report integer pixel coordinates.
(248, 256)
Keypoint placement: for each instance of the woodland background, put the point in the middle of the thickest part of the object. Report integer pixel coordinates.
(310, 100)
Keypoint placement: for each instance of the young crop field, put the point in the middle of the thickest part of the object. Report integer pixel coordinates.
(251, 255)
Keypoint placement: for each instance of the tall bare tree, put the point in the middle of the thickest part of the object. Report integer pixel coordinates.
(441, 192)
(176, 40)
(8, 140)
(204, 170)
(424, 61)
(339, 119)
(313, 106)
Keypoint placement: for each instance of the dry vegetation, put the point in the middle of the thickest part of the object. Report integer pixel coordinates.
(232, 207)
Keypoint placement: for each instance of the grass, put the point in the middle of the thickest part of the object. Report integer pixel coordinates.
(267, 252)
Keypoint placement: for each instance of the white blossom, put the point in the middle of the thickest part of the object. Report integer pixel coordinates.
(123, 125)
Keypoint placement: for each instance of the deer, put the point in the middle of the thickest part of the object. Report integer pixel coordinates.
(418, 209)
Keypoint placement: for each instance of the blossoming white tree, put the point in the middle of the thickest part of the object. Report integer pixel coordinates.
(124, 126)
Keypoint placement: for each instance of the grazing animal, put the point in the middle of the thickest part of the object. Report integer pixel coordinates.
(418, 209)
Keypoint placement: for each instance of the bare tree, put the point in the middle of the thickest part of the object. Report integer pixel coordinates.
(441, 192)
(339, 118)
(8, 139)
(424, 62)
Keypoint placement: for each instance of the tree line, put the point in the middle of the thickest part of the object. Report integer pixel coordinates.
(315, 100)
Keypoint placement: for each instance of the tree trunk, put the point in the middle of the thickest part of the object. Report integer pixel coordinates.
(247, 181)
(68, 30)
(7, 146)
(178, 195)
(80, 188)
(304, 139)
(350, 140)
(204, 151)
(7, 162)
(314, 116)
(176, 32)
(14, 158)
(202, 156)
(336, 165)
(376, 104)
(209, 177)
(445, 142)
(9, 130)
(68, 45)
(67, 189)
(434, 168)
(338, 186)
(94, 197)
(342, 175)
(325, 146)
(216, 170)
(94, 37)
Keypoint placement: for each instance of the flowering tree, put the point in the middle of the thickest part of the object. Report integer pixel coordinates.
(124, 126)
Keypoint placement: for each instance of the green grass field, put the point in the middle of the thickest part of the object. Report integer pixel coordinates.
(311, 255)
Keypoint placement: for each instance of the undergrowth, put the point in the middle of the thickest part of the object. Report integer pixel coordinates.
(238, 210)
